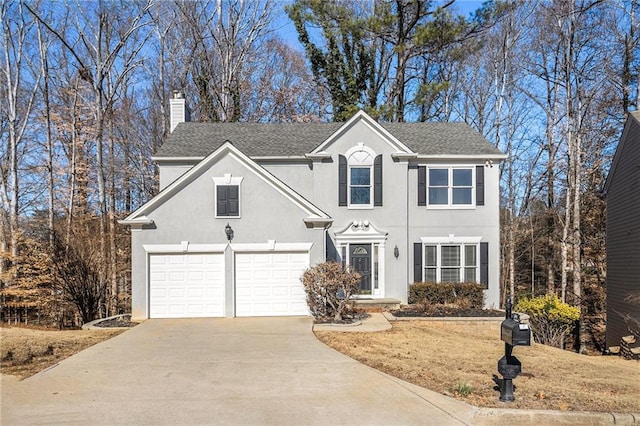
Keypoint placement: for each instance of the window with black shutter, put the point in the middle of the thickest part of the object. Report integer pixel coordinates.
(227, 200)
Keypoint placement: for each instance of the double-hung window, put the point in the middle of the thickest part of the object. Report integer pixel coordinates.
(360, 186)
(450, 186)
(451, 262)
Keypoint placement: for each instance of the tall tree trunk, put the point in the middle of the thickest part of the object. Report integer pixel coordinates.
(44, 70)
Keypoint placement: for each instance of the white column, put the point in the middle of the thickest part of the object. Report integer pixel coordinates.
(381, 270)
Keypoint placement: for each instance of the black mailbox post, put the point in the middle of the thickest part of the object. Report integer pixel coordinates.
(513, 333)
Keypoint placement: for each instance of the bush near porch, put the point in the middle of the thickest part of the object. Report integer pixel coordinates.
(463, 295)
(329, 287)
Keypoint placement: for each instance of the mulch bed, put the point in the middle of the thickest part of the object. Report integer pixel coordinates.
(348, 319)
(445, 311)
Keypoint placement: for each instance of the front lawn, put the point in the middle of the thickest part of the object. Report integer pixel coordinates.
(26, 351)
(462, 365)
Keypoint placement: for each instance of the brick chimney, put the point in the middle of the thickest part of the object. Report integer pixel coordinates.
(179, 111)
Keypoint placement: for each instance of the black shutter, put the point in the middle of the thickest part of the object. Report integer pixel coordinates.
(479, 185)
(484, 264)
(377, 181)
(228, 200)
(221, 201)
(342, 180)
(417, 262)
(233, 200)
(422, 186)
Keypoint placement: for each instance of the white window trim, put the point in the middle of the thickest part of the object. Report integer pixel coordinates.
(446, 241)
(227, 180)
(450, 204)
(353, 162)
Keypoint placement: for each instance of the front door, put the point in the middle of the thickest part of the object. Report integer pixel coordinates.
(361, 262)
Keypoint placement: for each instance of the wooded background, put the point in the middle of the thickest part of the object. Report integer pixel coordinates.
(85, 86)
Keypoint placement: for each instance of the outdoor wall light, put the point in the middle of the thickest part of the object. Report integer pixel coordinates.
(396, 252)
(229, 232)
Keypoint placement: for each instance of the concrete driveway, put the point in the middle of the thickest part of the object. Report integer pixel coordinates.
(221, 371)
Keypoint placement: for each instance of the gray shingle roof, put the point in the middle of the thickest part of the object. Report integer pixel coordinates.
(297, 139)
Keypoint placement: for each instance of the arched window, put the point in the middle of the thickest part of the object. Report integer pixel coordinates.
(360, 178)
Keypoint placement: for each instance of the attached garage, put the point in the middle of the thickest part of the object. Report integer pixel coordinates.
(186, 285)
(268, 283)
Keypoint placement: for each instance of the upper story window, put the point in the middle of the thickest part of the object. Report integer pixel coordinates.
(360, 178)
(227, 196)
(451, 186)
(360, 186)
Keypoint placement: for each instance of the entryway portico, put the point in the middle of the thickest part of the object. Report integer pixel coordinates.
(362, 246)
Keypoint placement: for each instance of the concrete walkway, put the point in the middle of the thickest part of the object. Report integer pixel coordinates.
(256, 371)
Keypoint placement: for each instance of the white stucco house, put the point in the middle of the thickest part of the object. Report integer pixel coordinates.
(399, 202)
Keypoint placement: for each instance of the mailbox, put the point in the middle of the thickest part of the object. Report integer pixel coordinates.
(514, 333)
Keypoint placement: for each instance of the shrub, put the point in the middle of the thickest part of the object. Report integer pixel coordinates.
(549, 317)
(329, 287)
(468, 294)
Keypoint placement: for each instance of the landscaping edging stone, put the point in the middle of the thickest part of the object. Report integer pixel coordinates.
(92, 325)
(489, 325)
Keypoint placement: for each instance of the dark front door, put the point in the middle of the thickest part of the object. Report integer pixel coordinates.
(361, 262)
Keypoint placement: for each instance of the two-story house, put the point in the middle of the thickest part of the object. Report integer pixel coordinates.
(245, 208)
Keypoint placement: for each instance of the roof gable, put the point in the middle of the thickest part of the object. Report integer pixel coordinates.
(633, 119)
(315, 216)
(366, 119)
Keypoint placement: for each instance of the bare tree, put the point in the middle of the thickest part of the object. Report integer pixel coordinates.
(219, 40)
(107, 50)
(18, 97)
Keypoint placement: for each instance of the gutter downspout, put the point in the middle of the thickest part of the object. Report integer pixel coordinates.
(408, 247)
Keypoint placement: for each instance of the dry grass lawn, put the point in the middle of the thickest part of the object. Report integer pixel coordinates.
(26, 351)
(551, 378)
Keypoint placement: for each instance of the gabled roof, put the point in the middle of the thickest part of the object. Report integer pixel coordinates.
(632, 119)
(363, 117)
(281, 140)
(315, 216)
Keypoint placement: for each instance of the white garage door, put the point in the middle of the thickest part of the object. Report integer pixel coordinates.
(186, 285)
(268, 284)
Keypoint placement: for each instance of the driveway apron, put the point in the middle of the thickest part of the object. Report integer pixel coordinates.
(220, 371)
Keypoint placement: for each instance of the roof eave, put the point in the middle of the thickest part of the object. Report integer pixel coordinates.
(177, 159)
(136, 223)
(633, 116)
(461, 156)
(318, 156)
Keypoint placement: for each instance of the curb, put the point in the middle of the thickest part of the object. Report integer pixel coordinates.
(505, 416)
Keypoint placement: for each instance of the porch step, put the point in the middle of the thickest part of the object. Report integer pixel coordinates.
(377, 305)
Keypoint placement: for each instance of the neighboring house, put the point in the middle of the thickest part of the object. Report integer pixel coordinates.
(622, 190)
(399, 202)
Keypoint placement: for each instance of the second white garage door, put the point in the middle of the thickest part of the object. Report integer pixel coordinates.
(268, 283)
